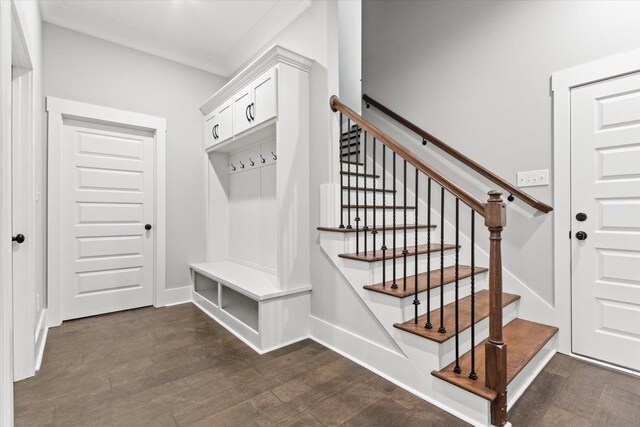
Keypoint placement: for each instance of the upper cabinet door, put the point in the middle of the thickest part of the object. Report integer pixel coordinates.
(224, 130)
(211, 122)
(265, 97)
(241, 104)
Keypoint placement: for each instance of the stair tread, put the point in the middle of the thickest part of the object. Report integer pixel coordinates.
(464, 271)
(387, 228)
(349, 162)
(352, 206)
(523, 338)
(368, 175)
(379, 190)
(394, 253)
(353, 153)
(464, 319)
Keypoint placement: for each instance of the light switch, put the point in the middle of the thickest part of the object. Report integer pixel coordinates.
(533, 178)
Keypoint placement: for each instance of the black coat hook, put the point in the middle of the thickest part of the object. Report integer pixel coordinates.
(241, 164)
(263, 160)
(252, 164)
(274, 156)
(233, 168)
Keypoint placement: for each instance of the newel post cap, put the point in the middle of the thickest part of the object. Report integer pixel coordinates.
(495, 210)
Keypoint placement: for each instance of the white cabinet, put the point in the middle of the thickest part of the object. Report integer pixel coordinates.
(255, 280)
(219, 125)
(265, 100)
(256, 103)
(241, 105)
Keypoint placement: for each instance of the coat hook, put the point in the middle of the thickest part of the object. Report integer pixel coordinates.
(263, 160)
(274, 156)
(251, 161)
(233, 167)
(241, 164)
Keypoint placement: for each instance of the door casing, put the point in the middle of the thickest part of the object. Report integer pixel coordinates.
(562, 82)
(58, 109)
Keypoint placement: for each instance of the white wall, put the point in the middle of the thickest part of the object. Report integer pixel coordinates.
(477, 75)
(86, 69)
(350, 52)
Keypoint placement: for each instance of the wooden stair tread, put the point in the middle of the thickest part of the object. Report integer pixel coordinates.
(388, 228)
(464, 271)
(353, 153)
(397, 207)
(394, 253)
(378, 190)
(464, 319)
(367, 175)
(523, 338)
(349, 162)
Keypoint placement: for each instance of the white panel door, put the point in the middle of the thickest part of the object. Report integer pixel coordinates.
(265, 97)
(224, 130)
(241, 116)
(107, 187)
(605, 187)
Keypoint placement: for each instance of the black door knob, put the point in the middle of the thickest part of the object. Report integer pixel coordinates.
(18, 238)
(581, 235)
(147, 227)
(581, 216)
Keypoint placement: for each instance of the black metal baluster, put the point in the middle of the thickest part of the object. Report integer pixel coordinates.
(457, 369)
(357, 219)
(416, 301)
(341, 176)
(428, 325)
(473, 375)
(384, 217)
(394, 285)
(349, 175)
(365, 229)
(405, 251)
(442, 329)
(373, 171)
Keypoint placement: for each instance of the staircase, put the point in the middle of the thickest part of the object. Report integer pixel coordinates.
(406, 243)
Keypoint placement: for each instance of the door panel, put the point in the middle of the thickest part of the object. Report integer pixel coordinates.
(241, 102)
(265, 98)
(225, 122)
(605, 177)
(107, 194)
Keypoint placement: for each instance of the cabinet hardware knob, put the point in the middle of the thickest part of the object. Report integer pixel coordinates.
(18, 238)
(581, 235)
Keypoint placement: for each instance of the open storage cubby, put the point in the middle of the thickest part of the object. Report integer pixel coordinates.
(206, 287)
(241, 307)
(257, 156)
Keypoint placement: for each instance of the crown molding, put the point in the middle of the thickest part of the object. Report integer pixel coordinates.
(273, 23)
(56, 13)
(273, 56)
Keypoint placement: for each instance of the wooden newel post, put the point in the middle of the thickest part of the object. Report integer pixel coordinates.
(495, 348)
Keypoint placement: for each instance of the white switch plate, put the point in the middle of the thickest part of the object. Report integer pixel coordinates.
(533, 178)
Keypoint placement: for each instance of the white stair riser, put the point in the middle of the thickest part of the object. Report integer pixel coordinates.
(418, 347)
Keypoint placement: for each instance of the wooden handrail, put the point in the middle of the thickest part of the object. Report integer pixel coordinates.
(460, 193)
(531, 201)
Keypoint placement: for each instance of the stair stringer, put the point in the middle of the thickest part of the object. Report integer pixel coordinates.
(420, 355)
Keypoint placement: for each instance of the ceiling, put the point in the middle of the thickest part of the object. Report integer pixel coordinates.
(214, 35)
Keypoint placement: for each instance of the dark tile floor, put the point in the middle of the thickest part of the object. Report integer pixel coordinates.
(176, 367)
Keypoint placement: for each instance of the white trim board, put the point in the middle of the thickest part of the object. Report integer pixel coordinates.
(59, 109)
(561, 84)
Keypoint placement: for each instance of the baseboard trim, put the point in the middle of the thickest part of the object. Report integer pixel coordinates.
(42, 332)
(175, 296)
(321, 331)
